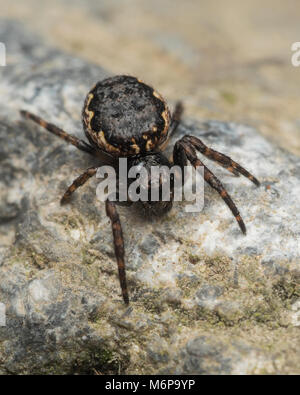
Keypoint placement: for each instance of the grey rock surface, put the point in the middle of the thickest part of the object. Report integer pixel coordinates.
(205, 298)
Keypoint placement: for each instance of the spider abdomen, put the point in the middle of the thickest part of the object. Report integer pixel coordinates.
(123, 116)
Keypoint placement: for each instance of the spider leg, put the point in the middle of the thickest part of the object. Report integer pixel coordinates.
(184, 151)
(113, 215)
(176, 118)
(80, 144)
(82, 179)
(222, 159)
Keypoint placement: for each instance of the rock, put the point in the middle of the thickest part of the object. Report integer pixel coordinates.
(149, 245)
(209, 292)
(204, 298)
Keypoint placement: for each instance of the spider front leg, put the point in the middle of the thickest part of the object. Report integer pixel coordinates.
(113, 215)
(176, 118)
(78, 182)
(80, 144)
(184, 151)
(220, 158)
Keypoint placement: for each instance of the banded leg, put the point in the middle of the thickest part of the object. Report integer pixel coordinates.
(222, 159)
(80, 144)
(184, 151)
(176, 118)
(113, 215)
(82, 179)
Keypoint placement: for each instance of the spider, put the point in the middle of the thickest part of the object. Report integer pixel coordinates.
(125, 118)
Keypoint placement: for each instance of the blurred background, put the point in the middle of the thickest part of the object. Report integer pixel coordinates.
(226, 60)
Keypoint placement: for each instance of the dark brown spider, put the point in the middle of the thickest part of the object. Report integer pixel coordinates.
(124, 117)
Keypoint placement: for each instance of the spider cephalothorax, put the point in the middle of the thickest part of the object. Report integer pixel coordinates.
(124, 117)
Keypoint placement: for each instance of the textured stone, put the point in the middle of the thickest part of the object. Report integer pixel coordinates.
(205, 298)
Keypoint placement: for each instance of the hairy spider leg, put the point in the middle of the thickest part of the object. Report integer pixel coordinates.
(220, 158)
(175, 120)
(183, 151)
(81, 180)
(78, 143)
(78, 182)
(113, 215)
